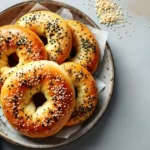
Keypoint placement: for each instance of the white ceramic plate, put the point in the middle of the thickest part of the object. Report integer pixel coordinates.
(106, 75)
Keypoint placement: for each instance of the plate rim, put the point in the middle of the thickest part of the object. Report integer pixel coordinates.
(5, 137)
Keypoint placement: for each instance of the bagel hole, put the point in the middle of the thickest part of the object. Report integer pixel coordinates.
(44, 40)
(76, 92)
(72, 53)
(38, 99)
(13, 60)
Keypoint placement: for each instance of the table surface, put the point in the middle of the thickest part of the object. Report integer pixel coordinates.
(126, 123)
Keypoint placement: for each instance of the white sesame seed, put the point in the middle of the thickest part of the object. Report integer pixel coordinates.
(109, 11)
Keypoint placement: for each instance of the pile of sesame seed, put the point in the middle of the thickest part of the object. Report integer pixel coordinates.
(109, 12)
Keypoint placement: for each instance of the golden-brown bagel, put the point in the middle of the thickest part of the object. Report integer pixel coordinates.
(86, 92)
(54, 28)
(17, 99)
(85, 50)
(21, 41)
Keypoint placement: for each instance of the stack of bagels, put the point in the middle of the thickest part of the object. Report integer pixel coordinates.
(59, 68)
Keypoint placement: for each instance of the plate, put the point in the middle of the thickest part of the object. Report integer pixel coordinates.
(106, 75)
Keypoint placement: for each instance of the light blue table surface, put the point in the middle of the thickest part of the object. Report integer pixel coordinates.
(126, 123)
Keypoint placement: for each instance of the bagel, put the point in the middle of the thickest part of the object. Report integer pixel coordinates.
(85, 49)
(23, 43)
(54, 28)
(86, 92)
(20, 109)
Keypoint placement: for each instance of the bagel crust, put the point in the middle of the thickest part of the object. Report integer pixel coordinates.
(54, 28)
(18, 106)
(86, 92)
(23, 42)
(85, 46)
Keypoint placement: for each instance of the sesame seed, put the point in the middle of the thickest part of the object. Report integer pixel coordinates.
(109, 12)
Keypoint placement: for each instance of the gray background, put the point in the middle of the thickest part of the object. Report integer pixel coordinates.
(126, 123)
